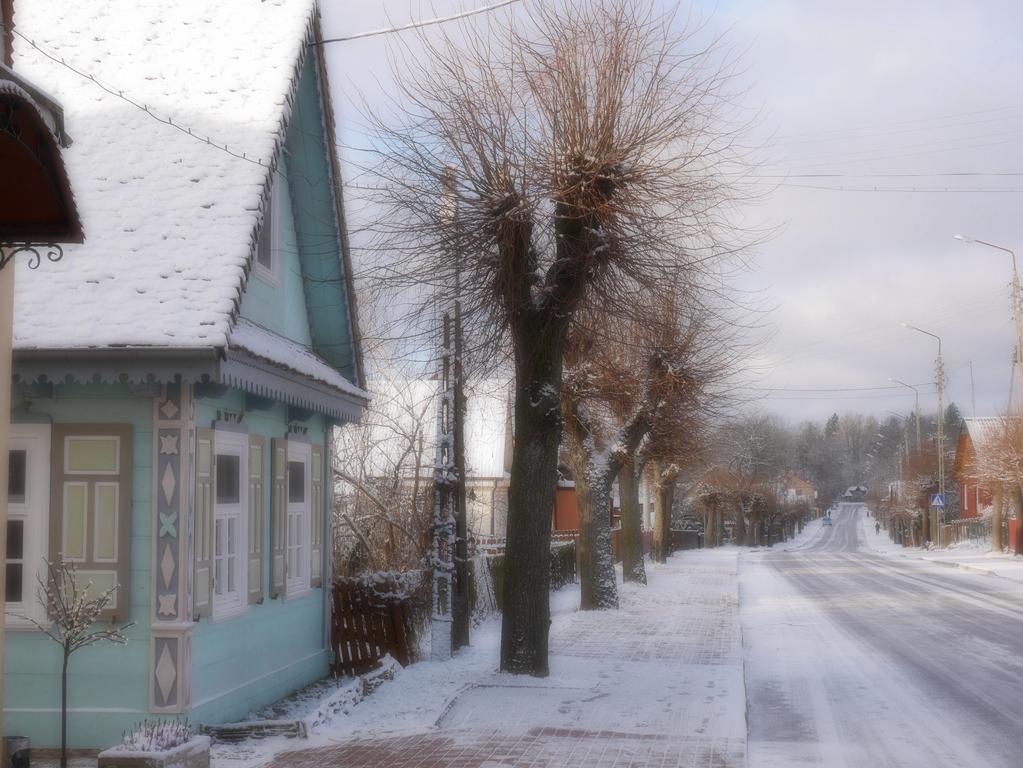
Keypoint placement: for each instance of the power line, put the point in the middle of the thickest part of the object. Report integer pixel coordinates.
(144, 107)
(904, 122)
(926, 175)
(832, 389)
(915, 190)
(930, 127)
(826, 398)
(416, 24)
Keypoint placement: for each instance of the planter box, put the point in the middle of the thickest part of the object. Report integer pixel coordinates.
(195, 753)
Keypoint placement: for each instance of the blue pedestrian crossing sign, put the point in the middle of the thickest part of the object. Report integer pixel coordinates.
(937, 499)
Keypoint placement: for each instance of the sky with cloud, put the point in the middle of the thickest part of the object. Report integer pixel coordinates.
(882, 129)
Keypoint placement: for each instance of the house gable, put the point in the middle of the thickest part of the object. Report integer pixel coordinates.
(318, 232)
(275, 298)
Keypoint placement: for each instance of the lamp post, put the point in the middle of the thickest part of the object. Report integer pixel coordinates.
(940, 380)
(1017, 320)
(916, 408)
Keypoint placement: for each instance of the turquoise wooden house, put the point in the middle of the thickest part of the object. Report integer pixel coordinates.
(178, 375)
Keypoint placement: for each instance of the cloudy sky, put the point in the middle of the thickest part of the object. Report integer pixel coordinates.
(869, 114)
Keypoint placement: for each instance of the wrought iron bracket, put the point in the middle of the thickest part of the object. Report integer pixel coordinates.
(52, 251)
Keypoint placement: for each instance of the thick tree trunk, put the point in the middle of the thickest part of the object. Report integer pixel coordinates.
(740, 525)
(631, 540)
(664, 497)
(593, 495)
(996, 520)
(526, 618)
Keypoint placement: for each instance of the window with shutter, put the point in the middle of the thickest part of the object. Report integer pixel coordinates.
(230, 523)
(299, 517)
(90, 505)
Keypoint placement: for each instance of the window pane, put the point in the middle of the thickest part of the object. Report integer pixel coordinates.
(17, 465)
(264, 251)
(296, 481)
(228, 479)
(15, 539)
(12, 591)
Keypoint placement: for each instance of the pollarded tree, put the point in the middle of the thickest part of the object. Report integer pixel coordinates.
(632, 382)
(587, 151)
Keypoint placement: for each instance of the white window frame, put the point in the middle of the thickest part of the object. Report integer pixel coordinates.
(227, 604)
(302, 513)
(34, 439)
(270, 224)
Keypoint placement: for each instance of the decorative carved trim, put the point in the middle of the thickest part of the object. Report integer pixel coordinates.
(52, 251)
(170, 657)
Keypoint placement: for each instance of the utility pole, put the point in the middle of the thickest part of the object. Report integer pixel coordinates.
(460, 602)
(973, 393)
(444, 504)
(916, 407)
(460, 588)
(940, 381)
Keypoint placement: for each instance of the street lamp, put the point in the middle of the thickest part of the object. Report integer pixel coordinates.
(1018, 353)
(940, 379)
(916, 409)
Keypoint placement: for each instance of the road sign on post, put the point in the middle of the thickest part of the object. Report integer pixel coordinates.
(937, 500)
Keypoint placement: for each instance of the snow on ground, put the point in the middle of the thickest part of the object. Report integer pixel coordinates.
(660, 679)
(975, 557)
(858, 660)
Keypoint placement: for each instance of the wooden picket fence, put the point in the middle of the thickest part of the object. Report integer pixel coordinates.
(366, 626)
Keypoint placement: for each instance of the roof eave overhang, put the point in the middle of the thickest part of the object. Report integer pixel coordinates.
(253, 374)
(143, 365)
(114, 365)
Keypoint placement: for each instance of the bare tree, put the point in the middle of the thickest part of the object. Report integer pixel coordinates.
(74, 610)
(382, 468)
(591, 156)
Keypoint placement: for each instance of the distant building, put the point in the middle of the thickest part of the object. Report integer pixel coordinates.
(792, 489)
(855, 493)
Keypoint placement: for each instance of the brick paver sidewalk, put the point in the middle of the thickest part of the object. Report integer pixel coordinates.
(657, 683)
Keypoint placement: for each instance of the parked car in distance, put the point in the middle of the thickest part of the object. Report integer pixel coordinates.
(826, 521)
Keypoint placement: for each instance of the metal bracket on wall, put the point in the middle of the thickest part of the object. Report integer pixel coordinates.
(52, 251)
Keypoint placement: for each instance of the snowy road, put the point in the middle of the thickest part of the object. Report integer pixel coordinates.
(856, 659)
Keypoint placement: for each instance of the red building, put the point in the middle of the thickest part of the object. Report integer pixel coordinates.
(973, 436)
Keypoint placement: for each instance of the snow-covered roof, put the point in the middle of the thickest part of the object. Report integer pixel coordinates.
(169, 220)
(981, 429)
(267, 345)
